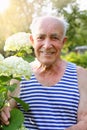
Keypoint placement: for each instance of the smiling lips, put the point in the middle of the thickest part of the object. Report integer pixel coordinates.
(47, 52)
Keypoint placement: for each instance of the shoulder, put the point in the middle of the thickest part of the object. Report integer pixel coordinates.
(82, 75)
(82, 79)
(82, 83)
(81, 69)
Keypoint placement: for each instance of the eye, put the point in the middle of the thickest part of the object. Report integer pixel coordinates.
(41, 37)
(54, 37)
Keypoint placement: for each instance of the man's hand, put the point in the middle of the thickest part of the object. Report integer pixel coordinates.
(5, 115)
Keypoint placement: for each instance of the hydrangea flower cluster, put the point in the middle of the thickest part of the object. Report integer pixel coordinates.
(1, 57)
(17, 41)
(12, 67)
(15, 66)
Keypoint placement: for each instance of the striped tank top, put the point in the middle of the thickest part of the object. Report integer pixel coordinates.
(51, 108)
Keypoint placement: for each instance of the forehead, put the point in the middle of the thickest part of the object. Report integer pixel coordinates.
(48, 25)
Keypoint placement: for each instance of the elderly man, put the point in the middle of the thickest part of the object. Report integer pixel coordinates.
(57, 89)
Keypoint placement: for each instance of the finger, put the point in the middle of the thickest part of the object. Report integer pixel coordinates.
(5, 115)
(6, 111)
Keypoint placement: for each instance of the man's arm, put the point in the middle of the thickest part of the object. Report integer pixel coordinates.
(15, 93)
(82, 109)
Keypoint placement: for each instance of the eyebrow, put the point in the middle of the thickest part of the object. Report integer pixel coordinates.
(42, 34)
(55, 35)
(51, 35)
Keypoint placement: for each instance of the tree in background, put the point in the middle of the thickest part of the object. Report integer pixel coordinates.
(59, 4)
(77, 31)
(18, 16)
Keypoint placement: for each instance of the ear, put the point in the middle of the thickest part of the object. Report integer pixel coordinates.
(64, 40)
(31, 39)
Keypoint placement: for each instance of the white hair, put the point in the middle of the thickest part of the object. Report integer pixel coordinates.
(59, 19)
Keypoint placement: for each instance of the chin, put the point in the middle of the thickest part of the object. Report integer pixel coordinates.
(47, 63)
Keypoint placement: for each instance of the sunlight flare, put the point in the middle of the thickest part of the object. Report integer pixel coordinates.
(4, 4)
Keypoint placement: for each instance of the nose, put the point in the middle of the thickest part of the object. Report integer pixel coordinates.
(47, 43)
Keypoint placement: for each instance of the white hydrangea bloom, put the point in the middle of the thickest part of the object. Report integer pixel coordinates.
(16, 67)
(1, 57)
(3, 68)
(17, 41)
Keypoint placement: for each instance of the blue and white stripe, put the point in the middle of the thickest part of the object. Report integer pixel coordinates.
(51, 108)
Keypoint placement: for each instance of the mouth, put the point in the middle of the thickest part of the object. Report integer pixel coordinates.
(46, 53)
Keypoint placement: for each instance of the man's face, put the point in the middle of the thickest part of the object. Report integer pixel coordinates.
(48, 41)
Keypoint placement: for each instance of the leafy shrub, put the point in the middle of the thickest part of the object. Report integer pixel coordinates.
(77, 58)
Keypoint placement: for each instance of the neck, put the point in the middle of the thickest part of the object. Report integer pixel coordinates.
(51, 68)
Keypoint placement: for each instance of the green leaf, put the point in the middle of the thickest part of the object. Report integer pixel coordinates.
(3, 96)
(5, 78)
(22, 128)
(11, 88)
(16, 120)
(23, 104)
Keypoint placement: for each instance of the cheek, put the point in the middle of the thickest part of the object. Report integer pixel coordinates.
(37, 45)
(36, 48)
(59, 45)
